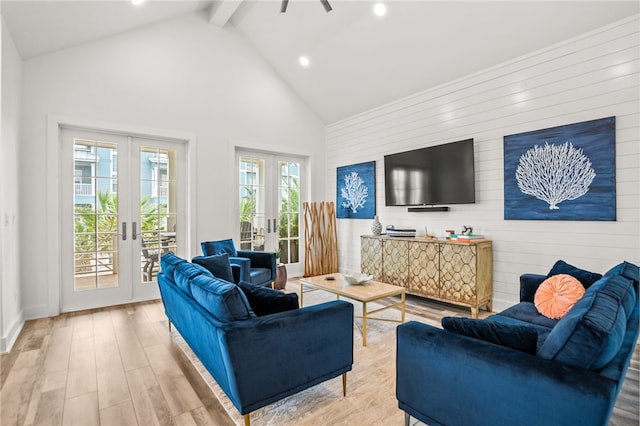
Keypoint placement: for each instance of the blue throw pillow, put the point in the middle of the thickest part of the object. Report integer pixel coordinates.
(266, 301)
(585, 277)
(518, 337)
(218, 265)
(224, 300)
(592, 332)
(210, 248)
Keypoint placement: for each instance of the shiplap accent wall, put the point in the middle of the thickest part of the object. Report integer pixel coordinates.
(592, 76)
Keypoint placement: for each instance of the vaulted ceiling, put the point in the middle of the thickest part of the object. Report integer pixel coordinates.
(358, 61)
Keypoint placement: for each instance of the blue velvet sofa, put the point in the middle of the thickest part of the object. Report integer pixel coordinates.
(243, 352)
(519, 367)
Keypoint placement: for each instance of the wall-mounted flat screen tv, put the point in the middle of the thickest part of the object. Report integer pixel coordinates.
(441, 174)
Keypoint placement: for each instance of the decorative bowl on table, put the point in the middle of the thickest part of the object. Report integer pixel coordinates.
(356, 278)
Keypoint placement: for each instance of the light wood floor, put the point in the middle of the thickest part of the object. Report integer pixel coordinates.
(111, 366)
(119, 366)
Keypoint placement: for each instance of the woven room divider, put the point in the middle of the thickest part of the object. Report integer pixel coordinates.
(320, 238)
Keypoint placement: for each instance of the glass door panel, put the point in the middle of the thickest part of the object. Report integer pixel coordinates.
(269, 205)
(289, 211)
(95, 207)
(252, 203)
(157, 200)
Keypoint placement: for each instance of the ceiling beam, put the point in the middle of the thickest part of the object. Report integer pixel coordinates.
(222, 10)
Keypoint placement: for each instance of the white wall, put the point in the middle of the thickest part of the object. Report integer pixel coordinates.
(182, 75)
(588, 77)
(11, 317)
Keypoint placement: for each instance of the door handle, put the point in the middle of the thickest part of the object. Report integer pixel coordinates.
(134, 234)
(124, 231)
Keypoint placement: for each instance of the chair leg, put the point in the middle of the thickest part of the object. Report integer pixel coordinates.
(407, 419)
(144, 271)
(247, 421)
(150, 270)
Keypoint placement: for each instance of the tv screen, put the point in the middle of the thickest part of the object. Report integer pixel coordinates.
(441, 174)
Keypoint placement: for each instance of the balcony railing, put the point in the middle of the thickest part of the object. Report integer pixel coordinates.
(84, 189)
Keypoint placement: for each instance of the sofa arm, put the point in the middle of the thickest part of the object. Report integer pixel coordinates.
(261, 259)
(444, 378)
(529, 283)
(318, 338)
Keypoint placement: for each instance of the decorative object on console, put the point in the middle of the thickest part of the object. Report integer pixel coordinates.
(392, 231)
(356, 191)
(561, 173)
(376, 226)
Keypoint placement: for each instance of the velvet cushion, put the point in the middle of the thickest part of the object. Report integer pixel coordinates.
(224, 300)
(218, 265)
(266, 301)
(585, 277)
(627, 270)
(184, 272)
(620, 289)
(557, 294)
(521, 338)
(168, 264)
(527, 312)
(592, 332)
(210, 248)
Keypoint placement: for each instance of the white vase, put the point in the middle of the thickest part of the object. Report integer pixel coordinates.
(376, 226)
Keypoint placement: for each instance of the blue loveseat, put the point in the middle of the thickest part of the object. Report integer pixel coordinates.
(519, 367)
(243, 352)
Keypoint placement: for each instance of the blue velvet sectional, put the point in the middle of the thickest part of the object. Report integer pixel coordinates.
(519, 367)
(243, 352)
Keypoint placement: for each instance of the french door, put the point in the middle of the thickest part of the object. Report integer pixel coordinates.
(121, 211)
(269, 205)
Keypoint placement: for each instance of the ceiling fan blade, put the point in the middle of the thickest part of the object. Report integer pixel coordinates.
(326, 5)
(283, 6)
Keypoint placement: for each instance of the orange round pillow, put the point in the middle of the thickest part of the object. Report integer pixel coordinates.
(557, 294)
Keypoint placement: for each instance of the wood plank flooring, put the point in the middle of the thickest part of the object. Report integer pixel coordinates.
(119, 366)
(111, 366)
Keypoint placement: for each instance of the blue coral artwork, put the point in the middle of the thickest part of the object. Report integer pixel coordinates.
(356, 191)
(562, 173)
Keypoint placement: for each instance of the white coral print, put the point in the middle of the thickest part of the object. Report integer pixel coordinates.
(354, 191)
(554, 173)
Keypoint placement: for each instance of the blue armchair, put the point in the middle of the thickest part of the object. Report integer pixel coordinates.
(254, 267)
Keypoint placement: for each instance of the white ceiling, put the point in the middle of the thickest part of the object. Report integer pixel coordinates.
(358, 60)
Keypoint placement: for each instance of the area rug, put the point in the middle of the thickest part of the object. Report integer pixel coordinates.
(370, 385)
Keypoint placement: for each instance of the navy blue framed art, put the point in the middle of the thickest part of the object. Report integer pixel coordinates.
(561, 173)
(356, 191)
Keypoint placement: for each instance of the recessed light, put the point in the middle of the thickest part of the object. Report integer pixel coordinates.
(304, 61)
(137, 2)
(380, 9)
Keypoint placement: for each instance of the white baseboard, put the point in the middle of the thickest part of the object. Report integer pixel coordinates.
(7, 341)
